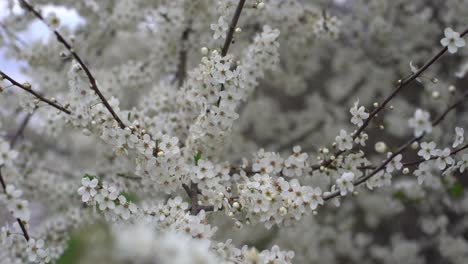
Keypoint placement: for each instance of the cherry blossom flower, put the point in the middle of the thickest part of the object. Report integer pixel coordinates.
(420, 123)
(125, 209)
(88, 189)
(36, 251)
(7, 155)
(359, 114)
(443, 158)
(452, 40)
(219, 28)
(345, 183)
(422, 172)
(106, 197)
(394, 164)
(427, 150)
(344, 141)
(19, 209)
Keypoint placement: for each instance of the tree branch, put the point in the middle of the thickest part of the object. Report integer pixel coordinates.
(35, 94)
(401, 85)
(232, 27)
(401, 149)
(88, 73)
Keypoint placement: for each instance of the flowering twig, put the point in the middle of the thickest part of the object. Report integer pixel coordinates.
(417, 162)
(34, 93)
(21, 224)
(401, 149)
(192, 192)
(401, 85)
(380, 107)
(3, 184)
(88, 73)
(230, 36)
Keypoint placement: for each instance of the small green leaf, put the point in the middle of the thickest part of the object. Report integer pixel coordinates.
(197, 157)
(129, 115)
(129, 196)
(400, 195)
(89, 176)
(456, 190)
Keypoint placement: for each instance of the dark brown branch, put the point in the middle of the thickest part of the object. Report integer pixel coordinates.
(35, 94)
(181, 73)
(232, 28)
(20, 131)
(88, 73)
(194, 198)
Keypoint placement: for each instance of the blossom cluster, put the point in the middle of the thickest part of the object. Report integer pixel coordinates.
(186, 113)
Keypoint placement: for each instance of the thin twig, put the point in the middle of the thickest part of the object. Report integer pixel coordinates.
(230, 36)
(88, 73)
(3, 184)
(401, 85)
(182, 68)
(34, 93)
(401, 149)
(232, 28)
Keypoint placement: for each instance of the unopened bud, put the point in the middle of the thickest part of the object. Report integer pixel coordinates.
(380, 147)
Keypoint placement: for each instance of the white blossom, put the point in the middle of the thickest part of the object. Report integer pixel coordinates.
(359, 114)
(7, 155)
(452, 40)
(443, 158)
(344, 141)
(36, 251)
(427, 150)
(88, 189)
(345, 183)
(420, 123)
(219, 28)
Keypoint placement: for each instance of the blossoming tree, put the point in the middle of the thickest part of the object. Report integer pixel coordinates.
(237, 131)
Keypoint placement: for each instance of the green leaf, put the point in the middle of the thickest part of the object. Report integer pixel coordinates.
(456, 190)
(89, 176)
(129, 196)
(73, 251)
(400, 195)
(197, 157)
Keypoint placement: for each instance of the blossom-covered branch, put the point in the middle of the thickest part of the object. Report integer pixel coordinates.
(92, 80)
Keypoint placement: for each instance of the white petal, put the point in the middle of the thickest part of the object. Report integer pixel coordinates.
(460, 42)
(448, 32)
(452, 48)
(444, 42)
